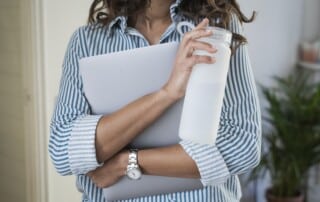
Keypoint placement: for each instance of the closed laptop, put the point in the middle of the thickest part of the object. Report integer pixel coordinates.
(113, 80)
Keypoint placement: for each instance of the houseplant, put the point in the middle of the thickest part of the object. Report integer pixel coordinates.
(292, 135)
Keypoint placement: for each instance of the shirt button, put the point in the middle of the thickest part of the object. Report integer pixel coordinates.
(171, 198)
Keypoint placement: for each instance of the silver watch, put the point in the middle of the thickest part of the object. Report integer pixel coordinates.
(133, 169)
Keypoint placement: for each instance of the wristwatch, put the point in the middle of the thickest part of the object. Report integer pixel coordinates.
(133, 169)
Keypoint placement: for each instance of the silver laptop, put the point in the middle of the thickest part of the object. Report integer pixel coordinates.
(110, 82)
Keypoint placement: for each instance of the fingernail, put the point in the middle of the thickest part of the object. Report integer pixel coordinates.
(213, 50)
(211, 46)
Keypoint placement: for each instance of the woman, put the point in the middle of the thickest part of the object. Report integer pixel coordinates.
(92, 146)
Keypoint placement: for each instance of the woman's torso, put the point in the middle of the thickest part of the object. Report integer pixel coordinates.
(118, 37)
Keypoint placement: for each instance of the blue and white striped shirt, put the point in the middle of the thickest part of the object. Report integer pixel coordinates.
(237, 148)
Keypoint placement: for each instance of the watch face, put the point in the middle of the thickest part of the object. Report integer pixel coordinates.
(134, 174)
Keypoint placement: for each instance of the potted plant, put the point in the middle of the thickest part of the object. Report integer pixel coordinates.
(292, 139)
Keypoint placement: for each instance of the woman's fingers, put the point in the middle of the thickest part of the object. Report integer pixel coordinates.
(185, 59)
(196, 59)
(195, 34)
(199, 32)
(203, 24)
(190, 42)
(197, 45)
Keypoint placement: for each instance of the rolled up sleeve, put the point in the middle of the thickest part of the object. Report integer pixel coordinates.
(72, 129)
(211, 165)
(237, 147)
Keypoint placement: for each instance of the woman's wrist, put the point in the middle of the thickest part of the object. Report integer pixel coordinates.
(123, 159)
(168, 95)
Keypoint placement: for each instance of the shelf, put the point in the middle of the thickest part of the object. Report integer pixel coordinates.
(308, 65)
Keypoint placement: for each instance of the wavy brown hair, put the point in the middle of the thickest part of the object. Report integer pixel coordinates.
(219, 12)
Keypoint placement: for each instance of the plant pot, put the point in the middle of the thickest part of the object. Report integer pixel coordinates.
(271, 198)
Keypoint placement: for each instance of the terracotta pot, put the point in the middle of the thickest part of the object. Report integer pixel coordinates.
(272, 198)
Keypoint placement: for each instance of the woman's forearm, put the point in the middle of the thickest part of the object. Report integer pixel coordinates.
(170, 161)
(117, 130)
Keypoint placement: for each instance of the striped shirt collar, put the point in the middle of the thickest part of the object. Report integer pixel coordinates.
(121, 21)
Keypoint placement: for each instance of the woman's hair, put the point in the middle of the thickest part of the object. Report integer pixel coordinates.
(219, 12)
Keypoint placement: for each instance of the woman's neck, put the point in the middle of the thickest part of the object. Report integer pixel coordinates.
(159, 11)
(154, 21)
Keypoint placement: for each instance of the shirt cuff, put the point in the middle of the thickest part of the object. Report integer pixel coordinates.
(212, 167)
(82, 150)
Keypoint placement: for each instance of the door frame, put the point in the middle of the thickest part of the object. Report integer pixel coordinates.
(32, 53)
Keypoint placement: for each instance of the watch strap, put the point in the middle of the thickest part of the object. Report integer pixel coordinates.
(133, 157)
(133, 165)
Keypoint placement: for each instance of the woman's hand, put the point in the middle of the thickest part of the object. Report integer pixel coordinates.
(111, 171)
(185, 60)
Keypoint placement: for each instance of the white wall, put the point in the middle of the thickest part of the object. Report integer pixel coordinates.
(274, 36)
(311, 25)
(61, 18)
